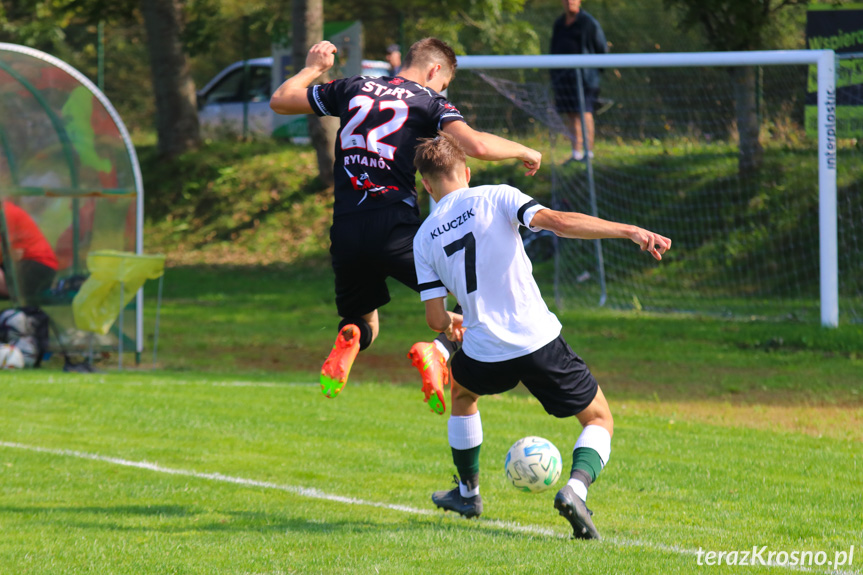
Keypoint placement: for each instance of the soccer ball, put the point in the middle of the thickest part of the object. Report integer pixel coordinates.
(533, 464)
(10, 357)
(29, 349)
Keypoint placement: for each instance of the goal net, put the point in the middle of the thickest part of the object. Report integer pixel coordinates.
(723, 159)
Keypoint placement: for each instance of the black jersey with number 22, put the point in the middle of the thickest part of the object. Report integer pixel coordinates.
(382, 120)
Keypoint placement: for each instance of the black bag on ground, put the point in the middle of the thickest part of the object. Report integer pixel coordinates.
(29, 329)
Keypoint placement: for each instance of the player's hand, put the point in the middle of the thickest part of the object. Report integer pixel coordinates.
(532, 160)
(321, 56)
(455, 331)
(652, 243)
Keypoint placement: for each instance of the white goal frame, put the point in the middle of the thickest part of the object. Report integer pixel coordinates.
(825, 60)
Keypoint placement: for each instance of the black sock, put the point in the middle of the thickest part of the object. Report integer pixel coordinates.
(582, 476)
(365, 330)
(451, 346)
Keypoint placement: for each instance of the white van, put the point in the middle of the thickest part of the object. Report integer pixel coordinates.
(221, 106)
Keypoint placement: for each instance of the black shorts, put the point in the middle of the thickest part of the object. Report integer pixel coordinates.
(566, 98)
(554, 374)
(366, 249)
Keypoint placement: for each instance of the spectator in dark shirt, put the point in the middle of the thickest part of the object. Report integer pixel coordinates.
(577, 32)
(394, 57)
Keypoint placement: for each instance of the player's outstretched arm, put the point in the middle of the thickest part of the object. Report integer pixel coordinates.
(582, 226)
(290, 97)
(485, 146)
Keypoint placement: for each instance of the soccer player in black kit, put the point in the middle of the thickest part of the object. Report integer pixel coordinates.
(375, 213)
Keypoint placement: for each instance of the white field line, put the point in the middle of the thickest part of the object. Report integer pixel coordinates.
(62, 381)
(318, 494)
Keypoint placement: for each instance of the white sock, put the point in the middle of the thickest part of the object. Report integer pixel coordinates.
(597, 438)
(579, 487)
(464, 431)
(465, 492)
(442, 348)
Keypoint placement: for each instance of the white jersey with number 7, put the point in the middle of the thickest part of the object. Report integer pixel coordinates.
(470, 246)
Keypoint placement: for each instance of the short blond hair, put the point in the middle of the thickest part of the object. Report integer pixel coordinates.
(431, 51)
(438, 157)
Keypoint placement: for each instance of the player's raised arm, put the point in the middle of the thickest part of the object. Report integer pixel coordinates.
(582, 226)
(291, 97)
(485, 146)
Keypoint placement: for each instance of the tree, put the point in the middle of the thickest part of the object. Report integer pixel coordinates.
(479, 27)
(308, 29)
(176, 101)
(476, 27)
(737, 25)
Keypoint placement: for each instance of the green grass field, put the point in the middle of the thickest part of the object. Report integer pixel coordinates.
(228, 459)
(730, 435)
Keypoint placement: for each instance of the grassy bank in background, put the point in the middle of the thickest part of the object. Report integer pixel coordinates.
(256, 202)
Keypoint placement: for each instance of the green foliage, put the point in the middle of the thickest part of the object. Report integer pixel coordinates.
(18, 24)
(46, 24)
(475, 27)
(743, 24)
(218, 33)
(786, 28)
(643, 26)
(215, 34)
(204, 26)
(481, 27)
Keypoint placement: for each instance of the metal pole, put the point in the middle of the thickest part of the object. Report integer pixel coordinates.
(158, 309)
(662, 60)
(76, 235)
(594, 210)
(120, 338)
(827, 218)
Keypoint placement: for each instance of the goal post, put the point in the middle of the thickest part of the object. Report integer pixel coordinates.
(824, 60)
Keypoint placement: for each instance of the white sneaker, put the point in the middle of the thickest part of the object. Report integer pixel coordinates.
(577, 155)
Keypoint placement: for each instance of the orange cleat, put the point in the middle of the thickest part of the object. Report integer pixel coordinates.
(334, 373)
(428, 359)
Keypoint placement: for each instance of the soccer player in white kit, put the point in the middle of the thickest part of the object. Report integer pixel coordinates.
(470, 246)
